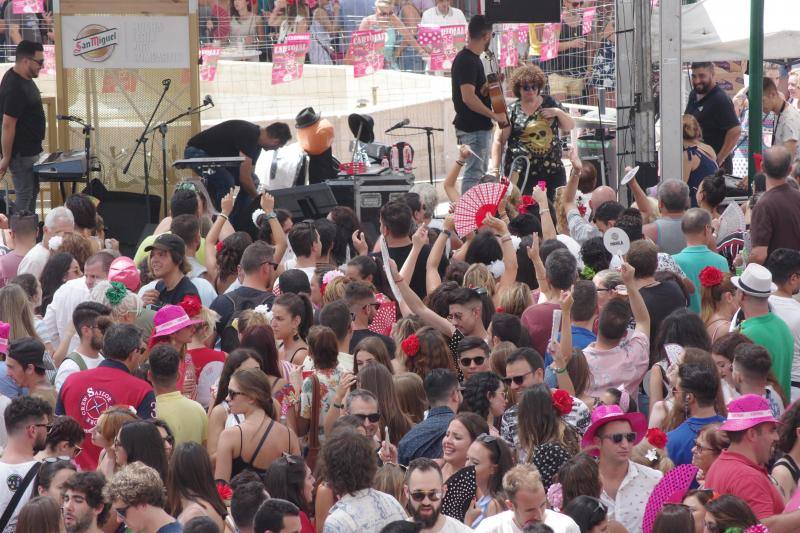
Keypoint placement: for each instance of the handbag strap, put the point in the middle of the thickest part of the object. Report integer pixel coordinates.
(12, 505)
(313, 437)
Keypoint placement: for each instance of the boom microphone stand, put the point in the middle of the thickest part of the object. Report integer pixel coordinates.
(429, 134)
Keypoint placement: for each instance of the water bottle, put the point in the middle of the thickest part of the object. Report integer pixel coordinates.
(385, 161)
(190, 378)
(408, 159)
(395, 159)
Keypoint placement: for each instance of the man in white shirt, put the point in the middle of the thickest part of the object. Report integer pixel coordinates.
(784, 264)
(87, 355)
(787, 118)
(58, 222)
(443, 14)
(424, 488)
(527, 501)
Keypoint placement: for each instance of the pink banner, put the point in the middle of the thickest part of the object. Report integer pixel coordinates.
(549, 48)
(49, 68)
(21, 7)
(366, 49)
(522, 33)
(119, 81)
(444, 42)
(508, 49)
(288, 58)
(209, 56)
(588, 19)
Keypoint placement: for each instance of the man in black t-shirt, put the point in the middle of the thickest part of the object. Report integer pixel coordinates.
(234, 138)
(168, 263)
(23, 123)
(471, 101)
(714, 111)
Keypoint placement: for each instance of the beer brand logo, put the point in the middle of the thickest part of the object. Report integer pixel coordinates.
(93, 404)
(95, 43)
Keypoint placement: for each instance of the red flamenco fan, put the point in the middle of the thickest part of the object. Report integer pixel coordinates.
(476, 204)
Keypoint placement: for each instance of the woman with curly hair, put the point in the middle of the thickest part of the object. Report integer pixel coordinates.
(223, 258)
(347, 224)
(595, 257)
(59, 269)
(535, 121)
(425, 350)
(485, 395)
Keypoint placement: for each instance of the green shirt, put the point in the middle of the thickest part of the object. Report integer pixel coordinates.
(773, 334)
(692, 260)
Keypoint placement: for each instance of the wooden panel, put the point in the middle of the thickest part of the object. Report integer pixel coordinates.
(125, 7)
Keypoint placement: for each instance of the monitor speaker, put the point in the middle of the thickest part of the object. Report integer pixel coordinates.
(522, 10)
(125, 216)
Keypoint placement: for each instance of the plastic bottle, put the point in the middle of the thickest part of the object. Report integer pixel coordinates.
(408, 159)
(395, 158)
(190, 378)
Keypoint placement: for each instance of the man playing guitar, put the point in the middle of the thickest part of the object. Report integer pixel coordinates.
(474, 114)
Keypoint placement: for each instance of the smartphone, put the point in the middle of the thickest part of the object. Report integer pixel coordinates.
(354, 386)
(386, 434)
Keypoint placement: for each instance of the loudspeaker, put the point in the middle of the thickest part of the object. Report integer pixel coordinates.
(125, 216)
(522, 10)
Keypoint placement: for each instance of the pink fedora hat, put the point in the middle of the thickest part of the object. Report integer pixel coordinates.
(603, 414)
(171, 318)
(747, 411)
(5, 331)
(124, 270)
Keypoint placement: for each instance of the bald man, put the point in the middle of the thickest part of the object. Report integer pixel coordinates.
(604, 215)
(673, 201)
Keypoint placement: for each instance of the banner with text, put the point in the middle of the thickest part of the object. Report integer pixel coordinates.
(209, 55)
(366, 49)
(22, 7)
(549, 48)
(288, 58)
(444, 42)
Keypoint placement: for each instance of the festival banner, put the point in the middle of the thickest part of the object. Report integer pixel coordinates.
(588, 19)
(366, 49)
(288, 58)
(508, 48)
(549, 47)
(522, 33)
(22, 7)
(209, 56)
(119, 80)
(444, 42)
(49, 68)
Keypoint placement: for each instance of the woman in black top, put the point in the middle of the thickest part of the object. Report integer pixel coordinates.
(534, 133)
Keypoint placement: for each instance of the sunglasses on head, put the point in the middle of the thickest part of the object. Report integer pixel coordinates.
(519, 380)
(467, 361)
(372, 417)
(616, 438)
(420, 495)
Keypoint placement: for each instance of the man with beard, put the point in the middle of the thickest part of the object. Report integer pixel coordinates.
(83, 507)
(25, 366)
(87, 354)
(424, 488)
(714, 111)
(361, 299)
(27, 420)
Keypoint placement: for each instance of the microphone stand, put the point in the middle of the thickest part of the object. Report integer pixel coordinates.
(162, 129)
(87, 144)
(429, 134)
(142, 140)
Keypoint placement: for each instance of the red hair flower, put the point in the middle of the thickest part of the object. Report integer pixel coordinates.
(219, 246)
(410, 346)
(562, 401)
(224, 491)
(525, 203)
(499, 310)
(711, 276)
(656, 437)
(191, 304)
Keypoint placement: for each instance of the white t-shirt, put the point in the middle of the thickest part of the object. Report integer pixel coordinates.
(34, 261)
(451, 525)
(504, 523)
(69, 367)
(788, 310)
(59, 313)
(434, 17)
(788, 128)
(12, 476)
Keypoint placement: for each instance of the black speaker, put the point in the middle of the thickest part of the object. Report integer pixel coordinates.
(125, 217)
(523, 11)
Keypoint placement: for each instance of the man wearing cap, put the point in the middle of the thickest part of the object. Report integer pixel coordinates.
(740, 470)
(756, 321)
(25, 365)
(87, 394)
(168, 264)
(626, 485)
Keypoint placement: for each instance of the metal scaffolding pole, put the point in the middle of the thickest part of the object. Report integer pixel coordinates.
(670, 90)
(756, 72)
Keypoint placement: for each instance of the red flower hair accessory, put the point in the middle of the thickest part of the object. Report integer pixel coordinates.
(410, 346)
(191, 304)
(224, 491)
(525, 203)
(656, 437)
(711, 276)
(562, 401)
(219, 246)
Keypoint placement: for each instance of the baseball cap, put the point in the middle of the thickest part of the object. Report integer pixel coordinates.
(27, 351)
(168, 242)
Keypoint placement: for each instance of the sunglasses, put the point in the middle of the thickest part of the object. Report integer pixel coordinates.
(420, 495)
(234, 393)
(529, 88)
(39, 62)
(374, 305)
(122, 510)
(702, 448)
(59, 459)
(372, 417)
(273, 264)
(519, 380)
(617, 438)
(467, 361)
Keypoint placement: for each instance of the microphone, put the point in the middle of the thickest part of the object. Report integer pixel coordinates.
(66, 117)
(404, 122)
(208, 101)
(166, 83)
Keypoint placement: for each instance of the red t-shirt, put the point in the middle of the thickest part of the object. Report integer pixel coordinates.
(735, 474)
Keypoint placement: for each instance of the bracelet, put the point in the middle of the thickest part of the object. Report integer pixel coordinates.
(559, 370)
(447, 232)
(223, 215)
(505, 239)
(460, 163)
(269, 216)
(338, 405)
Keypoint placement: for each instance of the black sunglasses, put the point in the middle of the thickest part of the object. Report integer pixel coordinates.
(39, 62)
(234, 393)
(122, 510)
(420, 495)
(467, 361)
(372, 417)
(616, 438)
(519, 380)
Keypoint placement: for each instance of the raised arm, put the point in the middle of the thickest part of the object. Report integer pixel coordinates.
(449, 185)
(548, 228)
(226, 206)
(538, 264)
(418, 308)
(562, 356)
(418, 240)
(640, 198)
(638, 307)
(278, 235)
(509, 254)
(432, 277)
(501, 136)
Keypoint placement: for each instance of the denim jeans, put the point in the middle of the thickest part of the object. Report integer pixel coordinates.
(479, 142)
(26, 184)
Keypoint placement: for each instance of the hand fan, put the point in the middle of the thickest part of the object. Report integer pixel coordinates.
(472, 208)
(732, 221)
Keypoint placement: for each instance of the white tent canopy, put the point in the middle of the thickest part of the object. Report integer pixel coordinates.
(719, 30)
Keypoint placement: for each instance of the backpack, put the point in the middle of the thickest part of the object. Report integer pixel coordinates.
(229, 337)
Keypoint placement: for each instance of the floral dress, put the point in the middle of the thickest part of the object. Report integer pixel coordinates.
(328, 381)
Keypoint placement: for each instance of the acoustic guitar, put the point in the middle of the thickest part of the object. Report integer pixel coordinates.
(495, 87)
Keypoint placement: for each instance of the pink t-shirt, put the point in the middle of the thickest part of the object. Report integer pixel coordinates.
(735, 474)
(624, 365)
(9, 264)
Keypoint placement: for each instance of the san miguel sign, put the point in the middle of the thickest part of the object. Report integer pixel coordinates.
(95, 43)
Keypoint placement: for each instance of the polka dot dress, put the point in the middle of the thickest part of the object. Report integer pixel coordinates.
(462, 488)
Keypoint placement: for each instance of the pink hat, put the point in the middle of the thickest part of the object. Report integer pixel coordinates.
(747, 411)
(124, 270)
(603, 414)
(171, 318)
(5, 331)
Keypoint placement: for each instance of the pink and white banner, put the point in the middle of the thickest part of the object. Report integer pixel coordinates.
(588, 19)
(208, 66)
(21, 7)
(508, 49)
(49, 68)
(366, 49)
(444, 42)
(549, 48)
(288, 58)
(522, 33)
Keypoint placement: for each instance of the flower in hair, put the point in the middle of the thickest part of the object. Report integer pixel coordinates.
(651, 455)
(499, 310)
(562, 401)
(256, 215)
(410, 346)
(328, 277)
(116, 293)
(525, 203)
(219, 246)
(711, 276)
(55, 243)
(264, 310)
(656, 437)
(515, 242)
(758, 528)
(191, 304)
(588, 273)
(555, 496)
(497, 268)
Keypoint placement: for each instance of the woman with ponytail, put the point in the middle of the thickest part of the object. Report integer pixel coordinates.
(717, 304)
(292, 317)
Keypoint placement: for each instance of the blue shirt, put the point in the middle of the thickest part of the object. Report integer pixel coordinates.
(692, 260)
(581, 338)
(425, 439)
(7, 385)
(680, 440)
